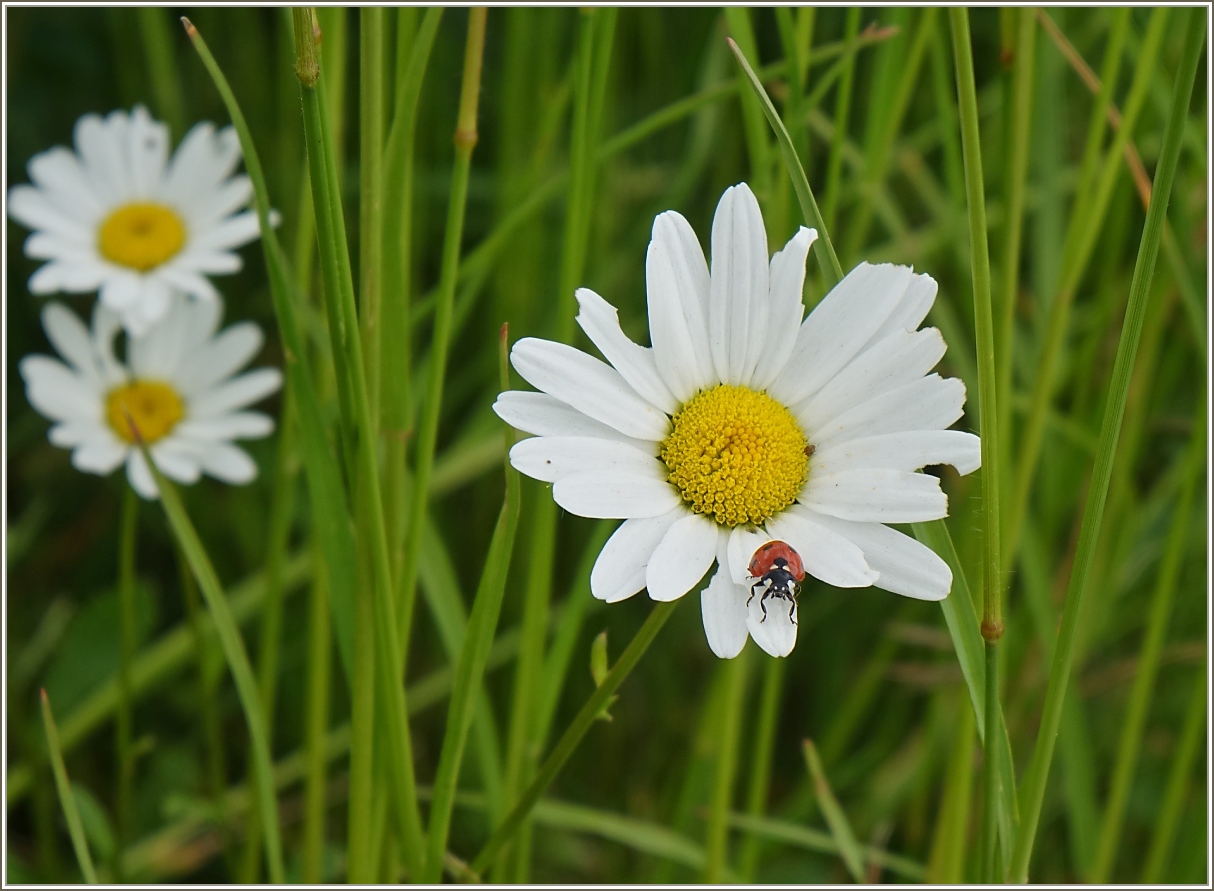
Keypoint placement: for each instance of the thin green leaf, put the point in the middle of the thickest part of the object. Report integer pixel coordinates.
(238, 663)
(565, 747)
(809, 207)
(840, 827)
(327, 495)
(66, 799)
(813, 840)
(1037, 776)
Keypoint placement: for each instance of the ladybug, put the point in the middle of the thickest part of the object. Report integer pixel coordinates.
(777, 566)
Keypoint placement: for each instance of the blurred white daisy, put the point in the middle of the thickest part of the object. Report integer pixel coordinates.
(742, 425)
(118, 216)
(178, 385)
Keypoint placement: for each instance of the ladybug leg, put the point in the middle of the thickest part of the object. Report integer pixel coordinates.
(752, 591)
(763, 605)
(792, 606)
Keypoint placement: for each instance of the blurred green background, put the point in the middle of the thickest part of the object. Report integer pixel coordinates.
(873, 679)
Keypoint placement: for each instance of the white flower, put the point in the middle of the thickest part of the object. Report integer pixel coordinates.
(177, 386)
(117, 215)
(742, 425)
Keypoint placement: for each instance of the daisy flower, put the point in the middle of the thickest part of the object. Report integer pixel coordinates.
(118, 216)
(178, 385)
(743, 424)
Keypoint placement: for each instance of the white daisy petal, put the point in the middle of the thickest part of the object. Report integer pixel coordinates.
(905, 565)
(825, 554)
(70, 338)
(723, 609)
(772, 624)
(614, 495)
(99, 144)
(548, 458)
(911, 310)
(671, 330)
(237, 393)
(176, 461)
(737, 302)
(221, 357)
(908, 450)
(680, 561)
(930, 403)
(592, 387)
(100, 458)
(839, 327)
(227, 199)
(238, 425)
(787, 282)
(231, 233)
(682, 307)
(192, 282)
(69, 434)
(898, 360)
(636, 364)
(59, 174)
(879, 496)
(140, 477)
(545, 415)
(34, 210)
(619, 571)
(227, 463)
(120, 292)
(57, 393)
(147, 150)
(743, 542)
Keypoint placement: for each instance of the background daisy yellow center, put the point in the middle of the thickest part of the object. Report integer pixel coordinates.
(154, 407)
(736, 454)
(141, 235)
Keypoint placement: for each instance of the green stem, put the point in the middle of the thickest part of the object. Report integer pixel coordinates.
(1036, 778)
(126, 599)
(371, 191)
(282, 508)
(572, 737)
(318, 681)
(1179, 782)
(596, 34)
(238, 663)
(339, 289)
(1017, 176)
(762, 752)
(217, 772)
(66, 799)
(440, 336)
(1148, 660)
(992, 587)
(716, 838)
(482, 624)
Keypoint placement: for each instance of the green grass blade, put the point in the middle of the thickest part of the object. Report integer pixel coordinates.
(840, 827)
(66, 798)
(1033, 790)
(238, 663)
(1179, 783)
(992, 582)
(569, 741)
(962, 623)
(482, 624)
(1135, 718)
(392, 721)
(325, 488)
(812, 840)
(716, 837)
(805, 195)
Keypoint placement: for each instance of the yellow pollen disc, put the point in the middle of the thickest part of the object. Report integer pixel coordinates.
(154, 408)
(736, 455)
(141, 235)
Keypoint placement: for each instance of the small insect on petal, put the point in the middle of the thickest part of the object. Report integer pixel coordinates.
(777, 568)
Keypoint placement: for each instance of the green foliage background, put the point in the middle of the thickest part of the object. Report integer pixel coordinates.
(874, 679)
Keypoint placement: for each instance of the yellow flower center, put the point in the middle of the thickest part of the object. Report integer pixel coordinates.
(153, 407)
(141, 235)
(736, 454)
